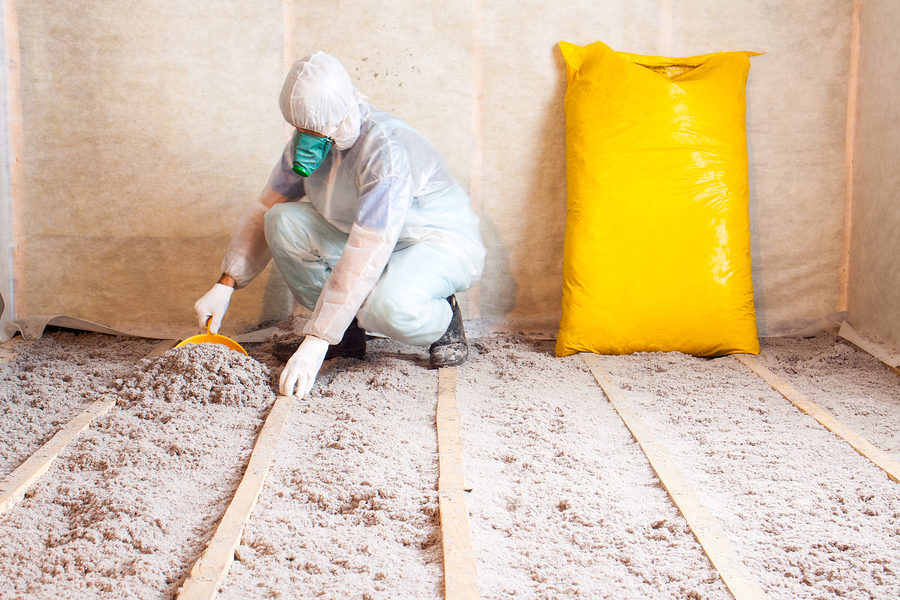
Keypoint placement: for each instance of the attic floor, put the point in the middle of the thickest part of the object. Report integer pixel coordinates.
(564, 504)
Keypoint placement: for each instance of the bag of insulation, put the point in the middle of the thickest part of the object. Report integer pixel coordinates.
(657, 245)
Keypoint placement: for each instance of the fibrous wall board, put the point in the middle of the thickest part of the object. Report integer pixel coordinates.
(148, 128)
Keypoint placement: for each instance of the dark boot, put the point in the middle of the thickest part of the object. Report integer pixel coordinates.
(451, 350)
(352, 345)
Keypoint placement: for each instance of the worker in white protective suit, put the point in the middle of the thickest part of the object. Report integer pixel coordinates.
(365, 222)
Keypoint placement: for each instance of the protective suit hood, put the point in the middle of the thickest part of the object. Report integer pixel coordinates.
(319, 96)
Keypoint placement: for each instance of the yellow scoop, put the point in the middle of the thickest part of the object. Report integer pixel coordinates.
(213, 338)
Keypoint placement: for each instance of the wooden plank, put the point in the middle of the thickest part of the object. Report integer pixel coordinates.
(14, 486)
(849, 150)
(475, 10)
(161, 348)
(212, 567)
(460, 572)
(709, 533)
(888, 359)
(848, 333)
(807, 406)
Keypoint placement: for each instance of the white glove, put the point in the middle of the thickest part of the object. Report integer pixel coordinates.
(213, 305)
(303, 366)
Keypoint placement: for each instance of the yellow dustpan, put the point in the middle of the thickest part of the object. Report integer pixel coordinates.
(213, 338)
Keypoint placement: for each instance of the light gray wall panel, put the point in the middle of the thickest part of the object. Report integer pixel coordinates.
(151, 124)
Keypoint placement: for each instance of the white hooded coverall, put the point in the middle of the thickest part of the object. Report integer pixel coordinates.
(380, 230)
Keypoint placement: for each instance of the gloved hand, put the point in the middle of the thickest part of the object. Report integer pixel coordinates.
(213, 305)
(301, 369)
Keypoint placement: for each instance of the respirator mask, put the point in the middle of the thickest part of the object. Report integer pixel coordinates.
(309, 152)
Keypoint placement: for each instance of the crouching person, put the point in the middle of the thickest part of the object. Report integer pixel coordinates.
(365, 223)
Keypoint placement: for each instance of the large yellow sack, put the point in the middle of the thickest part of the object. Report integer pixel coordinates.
(657, 248)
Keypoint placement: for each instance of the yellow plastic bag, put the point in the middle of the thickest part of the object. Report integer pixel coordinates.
(657, 248)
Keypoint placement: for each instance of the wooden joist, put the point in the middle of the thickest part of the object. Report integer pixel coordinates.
(807, 406)
(890, 360)
(161, 348)
(212, 567)
(13, 487)
(709, 533)
(460, 572)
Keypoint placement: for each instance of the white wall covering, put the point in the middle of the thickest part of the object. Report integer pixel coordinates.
(148, 126)
(874, 299)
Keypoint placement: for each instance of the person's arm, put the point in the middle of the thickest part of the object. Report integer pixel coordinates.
(383, 207)
(368, 249)
(354, 275)
(385, 195)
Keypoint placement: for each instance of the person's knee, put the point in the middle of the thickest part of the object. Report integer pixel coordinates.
(276, 223)
(412, 319)
(401, 313)
(290, 224)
